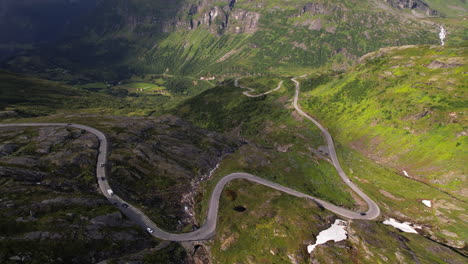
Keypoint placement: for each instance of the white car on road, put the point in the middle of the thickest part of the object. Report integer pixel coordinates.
(150, 230)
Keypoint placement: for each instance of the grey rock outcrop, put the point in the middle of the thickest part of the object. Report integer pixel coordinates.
(8, 114)
(217, 19)
(22, 175)
(315, 9)
(112, 219)
(39, 235)
(413, 5)
(174, 152)
(47, 175)
(7, 149)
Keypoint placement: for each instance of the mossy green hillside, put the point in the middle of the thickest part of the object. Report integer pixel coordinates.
(273, 225)
(276, 228)
(400, 198)
(449, 8)
(280, 143)
(287, 36)
(138, 96)
(260, 84)
(402, 107)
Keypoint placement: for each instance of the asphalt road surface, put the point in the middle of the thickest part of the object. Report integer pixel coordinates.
(207, 231)
(250, 90)
(373, 209)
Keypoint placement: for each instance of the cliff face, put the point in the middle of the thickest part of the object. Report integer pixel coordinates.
(148, 17)
(413, 5)
(227, 18)
(216, 16)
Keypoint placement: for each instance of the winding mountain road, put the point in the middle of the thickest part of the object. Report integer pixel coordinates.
(208, 230)
(373, 209)
(250, 90)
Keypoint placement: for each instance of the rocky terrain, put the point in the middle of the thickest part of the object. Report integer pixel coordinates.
(218, 19)
(53, 212)
(159, 163)
(413, 5)
(51, 209)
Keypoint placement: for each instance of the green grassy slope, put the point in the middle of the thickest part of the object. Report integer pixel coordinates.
(403, 107)
(25, 96)
(260, 84)
(32, 96)
(288, 37)
(266, 122)
(276, 228)
(449, 8)
(280, 141)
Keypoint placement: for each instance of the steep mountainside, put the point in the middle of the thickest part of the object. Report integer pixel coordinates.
(26, 24)
(410, 97)
(231, 36)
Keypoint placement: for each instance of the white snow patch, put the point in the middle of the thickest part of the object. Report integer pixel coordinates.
(442, 35)
(427, 203)
(405, 173)
(336, 233)
(405, 226)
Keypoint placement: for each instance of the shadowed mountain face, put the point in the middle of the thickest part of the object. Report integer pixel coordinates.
(108, 40)
(28, 23)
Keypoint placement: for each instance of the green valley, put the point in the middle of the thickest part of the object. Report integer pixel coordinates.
(233, 131)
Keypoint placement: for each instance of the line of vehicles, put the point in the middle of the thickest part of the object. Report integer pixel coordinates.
(149, 229)
(124, 205)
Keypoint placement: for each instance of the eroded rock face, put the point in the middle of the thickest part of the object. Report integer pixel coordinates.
(315, 9)
(158, 163)
(244, 21)
(216, 18)
(50, 194)
(49, 198)
(413, 4)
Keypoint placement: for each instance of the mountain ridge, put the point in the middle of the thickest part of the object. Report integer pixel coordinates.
(226, 37)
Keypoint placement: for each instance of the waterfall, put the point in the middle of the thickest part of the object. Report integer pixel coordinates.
(442, 35)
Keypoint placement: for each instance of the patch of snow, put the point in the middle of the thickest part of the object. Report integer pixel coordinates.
(427, 203)
(406, 174)
(336, 233)
(405, 226)
(442, 35)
